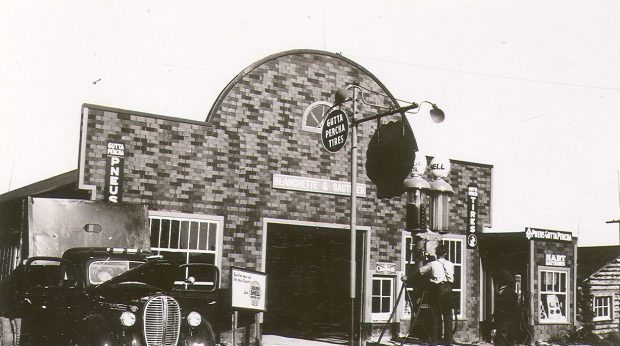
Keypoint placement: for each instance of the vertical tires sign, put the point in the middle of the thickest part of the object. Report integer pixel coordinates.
(115, 160)
(472, 216)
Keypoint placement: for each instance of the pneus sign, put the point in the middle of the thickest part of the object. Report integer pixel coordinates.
(115, 158)
(335, 130)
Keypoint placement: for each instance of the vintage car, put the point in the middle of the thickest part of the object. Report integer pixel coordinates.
(108, 296)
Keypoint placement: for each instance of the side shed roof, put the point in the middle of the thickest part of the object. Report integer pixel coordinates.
(592, 258)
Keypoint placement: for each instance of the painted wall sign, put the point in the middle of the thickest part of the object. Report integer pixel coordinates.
(555, 260)
(548, 235)
(472, 216)
(114, 172)
(386, 268)
(333, 187)
(248, 289)
(335, 130)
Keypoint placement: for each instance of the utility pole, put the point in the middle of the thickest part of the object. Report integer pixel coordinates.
(618, 222)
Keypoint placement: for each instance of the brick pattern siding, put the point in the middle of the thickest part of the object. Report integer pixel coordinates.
(224, 166)
(546, 331)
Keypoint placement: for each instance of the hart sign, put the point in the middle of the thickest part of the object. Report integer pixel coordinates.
(335, 130)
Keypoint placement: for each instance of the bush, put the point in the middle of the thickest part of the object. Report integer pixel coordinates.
(584, 337)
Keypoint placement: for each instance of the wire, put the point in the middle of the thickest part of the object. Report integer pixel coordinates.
(491, 74)
(382, 94)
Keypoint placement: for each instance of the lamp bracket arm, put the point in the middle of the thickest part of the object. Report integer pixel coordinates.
(386, 113)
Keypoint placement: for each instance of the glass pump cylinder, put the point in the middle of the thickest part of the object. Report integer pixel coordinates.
(416, 188)
(440, 205)
(416, 211)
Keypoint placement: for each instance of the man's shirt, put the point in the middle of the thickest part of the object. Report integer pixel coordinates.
(440, 270)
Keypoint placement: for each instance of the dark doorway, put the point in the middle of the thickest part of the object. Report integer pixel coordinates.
(308, 281)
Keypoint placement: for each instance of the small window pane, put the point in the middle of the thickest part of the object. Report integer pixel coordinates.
(386, 287)
(376, 287)
(184, 235)
(202, 258)
(456, 297)
(155, 223)
(385, 304)
(174, 234)
(203, 236)
(376, 304)
(457, 277)
(212, 236)
(193, 236)
(164, 241)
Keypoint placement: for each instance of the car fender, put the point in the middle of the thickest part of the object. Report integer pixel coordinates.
(199, 335)
(96, 331)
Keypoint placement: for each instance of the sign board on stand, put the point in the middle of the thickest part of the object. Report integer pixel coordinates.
(249, 292)
(248, 289)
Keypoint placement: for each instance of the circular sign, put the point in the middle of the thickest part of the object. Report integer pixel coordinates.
(472, 240)
(335, 130)
(440, 167)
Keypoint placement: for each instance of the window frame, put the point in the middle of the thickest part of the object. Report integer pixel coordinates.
(562, 271)
(609, 306)
(218, 221)
(383, 316)
(307, 112)
(407, 241)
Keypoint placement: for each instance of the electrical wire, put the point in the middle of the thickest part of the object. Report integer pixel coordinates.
(491, 75)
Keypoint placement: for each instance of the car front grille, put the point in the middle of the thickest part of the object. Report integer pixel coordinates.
(162, 321)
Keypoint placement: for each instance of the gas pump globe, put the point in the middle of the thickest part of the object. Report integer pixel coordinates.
(440, 192)
(417, 193)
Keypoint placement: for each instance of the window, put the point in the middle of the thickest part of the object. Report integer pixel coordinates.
(382, 297)
(602, 308)
(186, 238)
(102, 271)
(313, 116)
(553, 295)
(456, 256)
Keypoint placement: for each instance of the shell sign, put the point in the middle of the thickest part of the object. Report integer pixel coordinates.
(440, 167)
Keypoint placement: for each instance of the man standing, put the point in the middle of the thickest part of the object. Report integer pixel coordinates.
(506, 313)
(440, 273)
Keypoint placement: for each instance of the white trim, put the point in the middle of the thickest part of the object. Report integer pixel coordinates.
(364, 279)
(567, 301)
(464, 261)
(463, 265)
(82, 155)
(610, 308)
(219, 220)
(305, 117)
(377, 317)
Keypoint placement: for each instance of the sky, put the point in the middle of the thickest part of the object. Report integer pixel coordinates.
(530, 87)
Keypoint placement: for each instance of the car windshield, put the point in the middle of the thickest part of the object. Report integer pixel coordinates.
(102, 271)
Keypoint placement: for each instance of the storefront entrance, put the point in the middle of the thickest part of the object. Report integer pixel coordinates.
(308, 282)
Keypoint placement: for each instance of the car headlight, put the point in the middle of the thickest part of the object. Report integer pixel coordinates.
(128, 319)
(194, 319)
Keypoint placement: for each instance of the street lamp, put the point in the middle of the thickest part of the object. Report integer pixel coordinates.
(437, 115)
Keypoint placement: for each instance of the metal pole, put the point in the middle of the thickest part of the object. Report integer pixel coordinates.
(353, 211)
